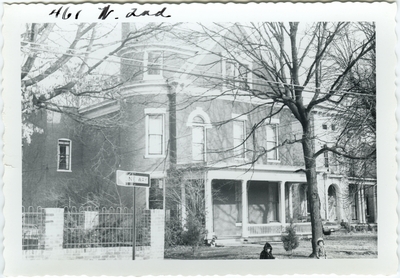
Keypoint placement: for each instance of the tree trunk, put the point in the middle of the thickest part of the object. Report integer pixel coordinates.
(312, 192)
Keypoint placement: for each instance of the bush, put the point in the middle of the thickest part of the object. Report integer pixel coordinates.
(290, 239)
(346, 225)
(194, 232)
(173, 233)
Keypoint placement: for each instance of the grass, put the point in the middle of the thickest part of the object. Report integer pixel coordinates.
(338, 246)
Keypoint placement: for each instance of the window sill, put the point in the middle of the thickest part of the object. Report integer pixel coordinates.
(273, 161)
(198, 162)
(154, 156)
(65, 171)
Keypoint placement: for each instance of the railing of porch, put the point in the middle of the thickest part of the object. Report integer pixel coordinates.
(276, 228)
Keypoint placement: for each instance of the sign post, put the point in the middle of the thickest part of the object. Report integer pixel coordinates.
(133, 179)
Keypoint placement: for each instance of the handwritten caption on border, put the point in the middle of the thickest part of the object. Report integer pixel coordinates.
(106, 12)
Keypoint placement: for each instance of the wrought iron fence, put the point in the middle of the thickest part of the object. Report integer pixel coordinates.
(32, 228)
(106, 227)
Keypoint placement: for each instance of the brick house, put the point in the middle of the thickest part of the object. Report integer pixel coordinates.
(170, 118)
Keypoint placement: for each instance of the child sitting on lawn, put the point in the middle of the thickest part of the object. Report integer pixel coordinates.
(266, 253)
(321, 253)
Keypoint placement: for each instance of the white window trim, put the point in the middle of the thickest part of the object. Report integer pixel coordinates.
(275, 122)
(199, 112)
(207, 124)
(205, 143)
(147, 76)
(148, 112)
(58, 155)
(240, 118)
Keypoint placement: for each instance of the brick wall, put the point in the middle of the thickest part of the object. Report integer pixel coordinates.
(53, 242)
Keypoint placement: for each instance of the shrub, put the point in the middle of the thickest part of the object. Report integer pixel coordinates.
(346, 225)
(173, 232)
(290, 239)
(194, 232)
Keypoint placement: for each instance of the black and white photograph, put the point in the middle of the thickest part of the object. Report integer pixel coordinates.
(144, 138)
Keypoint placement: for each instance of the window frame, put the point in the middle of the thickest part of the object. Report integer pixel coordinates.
(204, 143)
(242, 146)
(274, 123)
(234, 73)
(146, 65)
(69, 160)
(155, 112)
(326, 158)
(198, 112)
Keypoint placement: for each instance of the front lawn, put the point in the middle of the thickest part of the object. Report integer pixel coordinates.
(338, 246)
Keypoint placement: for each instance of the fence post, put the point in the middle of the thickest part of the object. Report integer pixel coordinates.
(54, 226)
(157, 231)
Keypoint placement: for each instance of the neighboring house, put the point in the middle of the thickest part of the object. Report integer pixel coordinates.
(172, 119)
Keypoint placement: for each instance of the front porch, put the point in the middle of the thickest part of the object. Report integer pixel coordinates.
(256, 205)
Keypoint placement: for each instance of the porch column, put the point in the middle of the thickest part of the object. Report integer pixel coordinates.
(375, 188)
(183, 205)
(359, 207)
(326, 199)
(209, 210)
(290, 201)
(362, 205)
(245, 215)
(282, 210)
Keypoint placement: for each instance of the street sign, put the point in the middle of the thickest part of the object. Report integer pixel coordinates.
(132, 179)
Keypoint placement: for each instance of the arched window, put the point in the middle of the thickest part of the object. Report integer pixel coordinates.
(199, 121)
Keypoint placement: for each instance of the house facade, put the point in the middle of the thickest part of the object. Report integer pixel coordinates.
(172, 115)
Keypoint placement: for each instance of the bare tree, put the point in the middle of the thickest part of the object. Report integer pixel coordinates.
(69, 66)
(298, 67)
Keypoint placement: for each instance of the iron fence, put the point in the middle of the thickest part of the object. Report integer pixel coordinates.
(33, 228)
(88, 227)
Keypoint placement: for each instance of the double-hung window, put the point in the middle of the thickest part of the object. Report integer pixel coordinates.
(64, 155)
(198, 139)
(155, 132)
(272, 141)
(326, 158)
(239, 138)
(153, 64)
(243, 77)
(237, 75)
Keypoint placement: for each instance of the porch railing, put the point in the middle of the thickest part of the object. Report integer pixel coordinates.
(276, 229)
